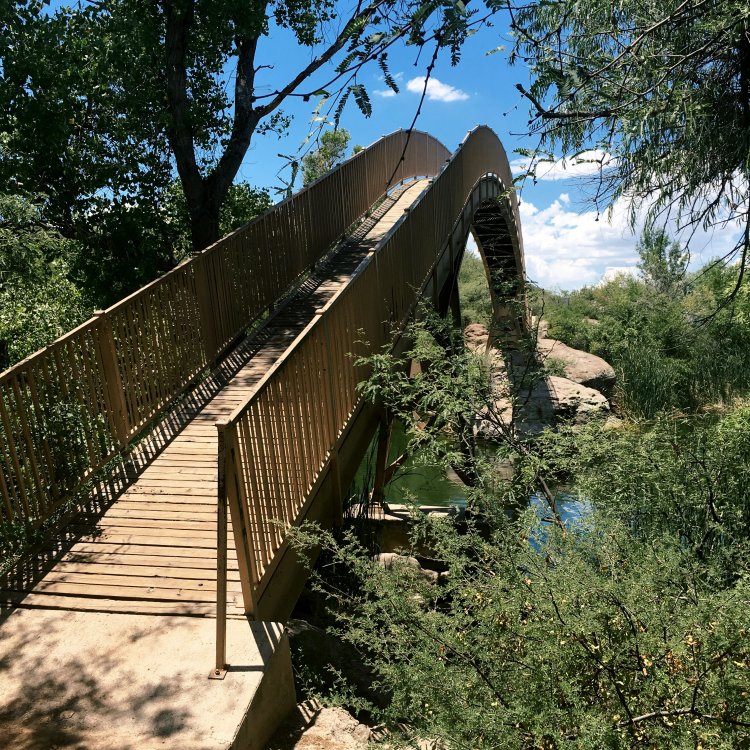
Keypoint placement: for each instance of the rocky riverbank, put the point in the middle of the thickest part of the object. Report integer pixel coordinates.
(579, 389)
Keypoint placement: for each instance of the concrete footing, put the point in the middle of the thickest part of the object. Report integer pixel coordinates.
(89, 680)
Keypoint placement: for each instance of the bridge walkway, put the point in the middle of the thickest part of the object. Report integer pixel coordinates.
(146, 543)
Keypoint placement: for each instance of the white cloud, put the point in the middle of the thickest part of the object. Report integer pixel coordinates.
(436, 90)
(568, 249)
(388, 92)
(585, 164)
(612, 272)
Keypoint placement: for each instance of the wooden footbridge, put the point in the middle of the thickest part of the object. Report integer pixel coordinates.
(172, 440)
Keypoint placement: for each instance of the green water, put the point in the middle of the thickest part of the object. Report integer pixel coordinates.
(415, 482)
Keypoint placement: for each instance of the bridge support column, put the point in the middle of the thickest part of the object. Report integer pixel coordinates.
(454, 303)
(381, 459)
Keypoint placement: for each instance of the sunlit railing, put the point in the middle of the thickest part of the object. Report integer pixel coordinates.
(72, 406)
(276, 448)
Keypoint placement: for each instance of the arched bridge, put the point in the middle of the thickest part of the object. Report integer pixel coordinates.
(226, 389)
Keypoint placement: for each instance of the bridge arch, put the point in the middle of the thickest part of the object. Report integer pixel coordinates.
(490, 215)
(297, 425)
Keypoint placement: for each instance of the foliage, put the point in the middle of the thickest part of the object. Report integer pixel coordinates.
(331, 151)
(685, 477)
(671, 351)
(624, 628)
(476, 305)
(38, 299)
(190, 48)
(555, 366)
(82, 123)
(662, 264)
(656, 93)
(81, 119)
(451, 385)
(242, 204)
(618, 632)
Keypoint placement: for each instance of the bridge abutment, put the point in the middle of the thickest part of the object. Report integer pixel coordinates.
(135, 682)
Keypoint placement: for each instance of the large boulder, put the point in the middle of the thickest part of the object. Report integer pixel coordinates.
(576, 398)
(315, 727)
(388, 560)
(551, 400)
(555, 399)
(575, 402)
(580, 367)
(476, 337)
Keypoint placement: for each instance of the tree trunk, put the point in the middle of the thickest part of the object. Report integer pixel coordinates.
(204, 224)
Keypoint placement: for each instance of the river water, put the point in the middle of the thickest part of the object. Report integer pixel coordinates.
(430, 485)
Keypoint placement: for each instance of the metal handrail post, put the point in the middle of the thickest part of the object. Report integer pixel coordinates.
(220, 669)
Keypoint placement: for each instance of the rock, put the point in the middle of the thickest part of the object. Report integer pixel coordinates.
(580, 367)
(542, 328)
(314, 727)
(476, 337)
(576, 402)
(388, 559)
(556, 399)
(578, 397)
(551, 400)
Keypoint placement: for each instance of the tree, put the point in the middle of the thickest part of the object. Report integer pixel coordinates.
(476, 304)
(330, 152)
(83, 135)
(657, 93)
(626, 628)
(102, 100)
(80, 121)
(663, 263)
(38, 299)
(201, 38)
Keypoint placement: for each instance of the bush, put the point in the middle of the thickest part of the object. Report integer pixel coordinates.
(667, 349)
(627, 630)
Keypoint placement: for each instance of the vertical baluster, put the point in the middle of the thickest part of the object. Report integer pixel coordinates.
(114, 393)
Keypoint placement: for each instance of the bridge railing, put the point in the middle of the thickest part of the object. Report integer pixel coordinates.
(276, 448)
(68, 409)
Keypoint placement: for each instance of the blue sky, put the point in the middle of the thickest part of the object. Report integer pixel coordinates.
(567, 245)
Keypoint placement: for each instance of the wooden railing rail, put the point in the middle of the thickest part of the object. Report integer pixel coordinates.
(278, 445)
(68, 409)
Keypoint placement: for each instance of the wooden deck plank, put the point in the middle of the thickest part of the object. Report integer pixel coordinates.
(146, 569)
(188, 539)
(125, 592)
(147, 582)
(123, 606)
(166, 525)
(150, 549)
(150, 510)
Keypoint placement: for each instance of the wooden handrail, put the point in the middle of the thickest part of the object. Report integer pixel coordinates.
(69, 408)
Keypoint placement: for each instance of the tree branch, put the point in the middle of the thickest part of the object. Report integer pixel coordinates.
(244, 123)
(319, 61)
